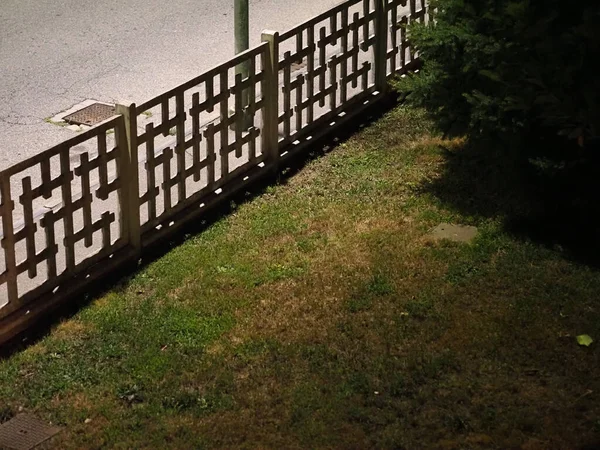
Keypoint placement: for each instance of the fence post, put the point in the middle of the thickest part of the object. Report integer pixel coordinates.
(8, 241)
(381, 43)
(271, 95)
(126, 138)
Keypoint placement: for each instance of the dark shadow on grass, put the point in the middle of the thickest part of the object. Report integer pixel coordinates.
(553, 202)
(120, 280)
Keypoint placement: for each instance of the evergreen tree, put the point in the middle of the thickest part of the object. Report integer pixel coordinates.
(510, 68)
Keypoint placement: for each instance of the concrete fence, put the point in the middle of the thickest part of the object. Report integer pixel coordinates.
(90, 205)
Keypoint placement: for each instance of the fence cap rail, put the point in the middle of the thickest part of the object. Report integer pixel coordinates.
(237, 59)
(315, 20)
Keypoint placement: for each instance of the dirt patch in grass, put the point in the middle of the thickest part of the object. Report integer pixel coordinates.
(321, 315)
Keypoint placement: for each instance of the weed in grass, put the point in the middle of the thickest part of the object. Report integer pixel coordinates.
(359, 303)
(255, 348)
(130, 394)
(488, 417)
(420, 307)
(58, 124)
(433, 216)
(356, 383)
(224, 269)
(281, 219)
(270, 190)
(311, 242)
(462, 271)
(305, 401)
(431, 367)
(320, 359)
(378, 285)
(278, 272)
(398, 385)
(188, 401)
(456, 422)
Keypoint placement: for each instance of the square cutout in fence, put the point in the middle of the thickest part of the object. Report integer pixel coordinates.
(91, 115)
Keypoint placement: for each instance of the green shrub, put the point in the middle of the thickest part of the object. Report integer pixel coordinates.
(510, 68)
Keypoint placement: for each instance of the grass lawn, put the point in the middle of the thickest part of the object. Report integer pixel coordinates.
(321, 314)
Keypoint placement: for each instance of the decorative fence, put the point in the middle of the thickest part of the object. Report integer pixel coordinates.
(80, 210)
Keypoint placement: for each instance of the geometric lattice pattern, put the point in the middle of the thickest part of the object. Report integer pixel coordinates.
(400, 52)
(199, 135)
(335, 49)
(59, 209)
(85, 200)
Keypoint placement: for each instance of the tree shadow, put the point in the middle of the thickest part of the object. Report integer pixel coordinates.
(551, 201)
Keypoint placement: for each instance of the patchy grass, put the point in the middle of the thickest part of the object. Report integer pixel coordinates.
(58, 124)
(322, 315)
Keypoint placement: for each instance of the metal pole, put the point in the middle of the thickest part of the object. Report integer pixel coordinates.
(242, 27)
(242, 43)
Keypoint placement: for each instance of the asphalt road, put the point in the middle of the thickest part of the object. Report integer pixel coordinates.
(57, 53)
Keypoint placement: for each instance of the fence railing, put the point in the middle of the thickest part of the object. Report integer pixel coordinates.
(90, 204)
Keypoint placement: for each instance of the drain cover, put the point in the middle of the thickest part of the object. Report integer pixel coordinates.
(91, 115)
(25, 431)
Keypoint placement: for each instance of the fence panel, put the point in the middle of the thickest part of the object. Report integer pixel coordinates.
(60, 213)
(197, 137)
(325, 63)
(401, 56)
(77, 204)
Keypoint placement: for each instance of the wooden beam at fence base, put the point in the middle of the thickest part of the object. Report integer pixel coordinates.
(126, 138)
(33, 313)
(203, 204)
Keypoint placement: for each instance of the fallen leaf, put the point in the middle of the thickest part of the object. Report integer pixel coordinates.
(584, 339)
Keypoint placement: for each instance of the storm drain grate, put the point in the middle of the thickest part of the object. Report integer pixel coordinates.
(25, 431)
(91, 115)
